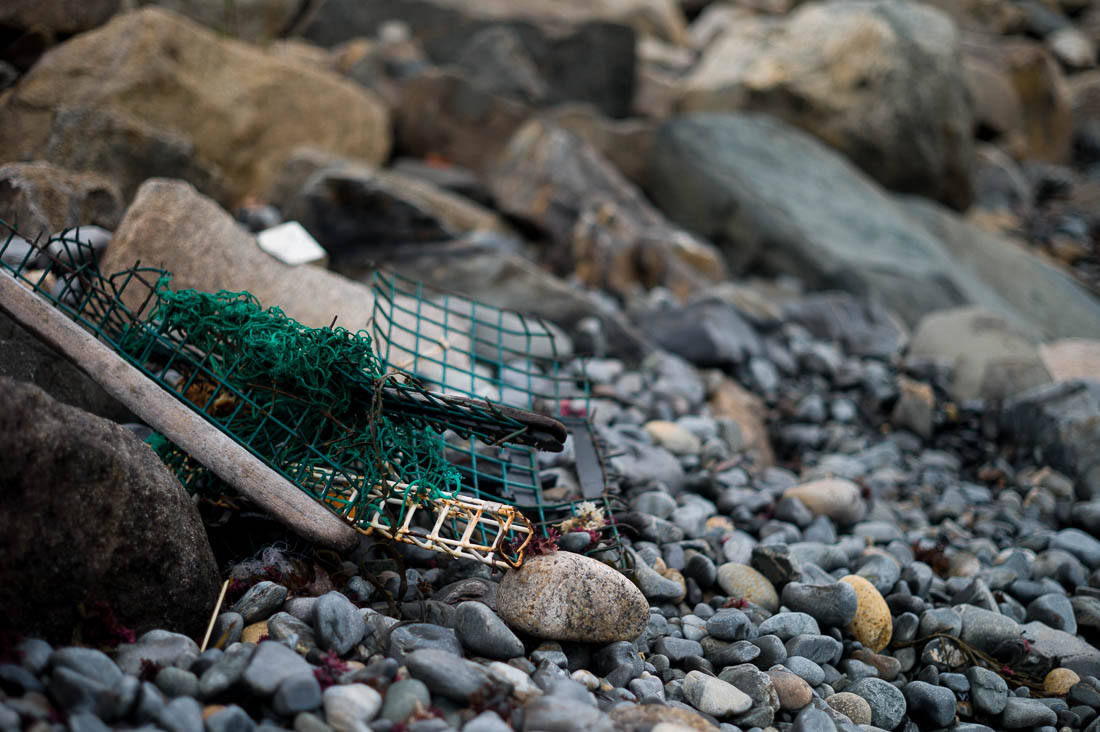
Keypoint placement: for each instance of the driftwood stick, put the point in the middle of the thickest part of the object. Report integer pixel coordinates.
(166, 414)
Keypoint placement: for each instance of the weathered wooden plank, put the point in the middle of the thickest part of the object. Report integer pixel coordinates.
(166, 414)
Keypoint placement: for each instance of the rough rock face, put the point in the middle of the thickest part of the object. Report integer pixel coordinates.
(880, 81)
(770, 195)
(767, 193)
(58, 16)
(1063, 421)
(251, 20)
(525, 51)
(1035, 292)
(24, 358)
(601, 225)
(243, 108)
(127, 150)
(42, 199)
(1041, 116)
(358, 212)
(90, 514)
(445, 114)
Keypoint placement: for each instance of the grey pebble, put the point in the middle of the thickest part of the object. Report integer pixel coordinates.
(297, 693)
(260, 602)
(488, 721)
(817, 648)
(934, 704)
(772, 651)
(803, 667)
(788, 625)
(226, 671)
(350, 706)
(483, 633)
(447, 674)
(175, 682)
(181, 715)
(1055, 610)
(1026, 713)
(735, 653)
(82, 722)
(36, 654)
(271, 663)
(161, 647)
(404, 639)
(87, 662)
(227, 629)
(555, 713)
(618, 662)
(677, 649)
(403, 698)
(337, 623)
(813, 720)
(886, 701)
(939, 620)
(282, 626)
(730, 624)
(832, 604)
(230, 719)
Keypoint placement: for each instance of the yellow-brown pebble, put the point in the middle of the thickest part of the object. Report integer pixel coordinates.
(1059, 680)
(252, 633)
(742, 582)
(873, 625)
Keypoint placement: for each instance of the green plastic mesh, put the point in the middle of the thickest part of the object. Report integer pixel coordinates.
(323, 383)
(331, 410)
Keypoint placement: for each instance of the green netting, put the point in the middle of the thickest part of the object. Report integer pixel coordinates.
(338, 413)
(326, 383)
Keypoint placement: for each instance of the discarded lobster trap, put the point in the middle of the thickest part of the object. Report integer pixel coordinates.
(418, 430)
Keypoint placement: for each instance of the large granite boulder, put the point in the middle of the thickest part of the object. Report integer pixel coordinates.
(1039, 294)
(92, 518)
(243, 108)
(773, 197)
(879, 80)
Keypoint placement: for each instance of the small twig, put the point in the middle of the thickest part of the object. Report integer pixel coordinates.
(214, 616)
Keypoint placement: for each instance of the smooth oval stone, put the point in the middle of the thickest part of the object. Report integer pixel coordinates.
(745, 583)
(935, 704)
(714, 696)
(872, 625)
(351, 706)
(338, 623)
(481, 631)
(836, 498)
(565, 596)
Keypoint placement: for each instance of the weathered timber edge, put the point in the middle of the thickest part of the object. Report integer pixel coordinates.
(270, 491)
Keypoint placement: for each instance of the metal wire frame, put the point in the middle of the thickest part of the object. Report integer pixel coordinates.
(493, 475)
(501, 357)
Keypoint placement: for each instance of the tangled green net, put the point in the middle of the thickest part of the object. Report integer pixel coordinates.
(304, 399)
